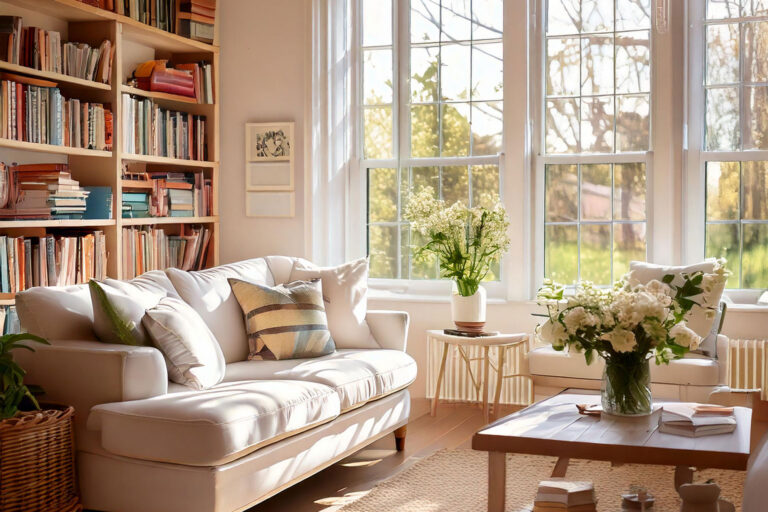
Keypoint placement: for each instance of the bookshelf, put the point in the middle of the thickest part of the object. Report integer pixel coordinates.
(134, 43)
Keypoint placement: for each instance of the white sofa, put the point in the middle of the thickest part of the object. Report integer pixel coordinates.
(144, 444)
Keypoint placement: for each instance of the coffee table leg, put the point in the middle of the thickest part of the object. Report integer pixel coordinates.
(497, 478)
(561, 467)
(486, 370)
(436, 398)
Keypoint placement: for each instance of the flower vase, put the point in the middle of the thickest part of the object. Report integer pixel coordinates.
(468, 313)
(626, 387)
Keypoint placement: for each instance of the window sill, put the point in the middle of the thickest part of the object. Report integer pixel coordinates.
(378, 294)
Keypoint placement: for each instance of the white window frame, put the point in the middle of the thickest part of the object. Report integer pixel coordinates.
(510, 270)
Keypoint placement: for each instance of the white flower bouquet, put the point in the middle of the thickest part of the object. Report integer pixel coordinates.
(465, 240)
(627, 326)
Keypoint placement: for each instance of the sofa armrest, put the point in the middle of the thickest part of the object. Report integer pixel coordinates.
(389, 328)
(87, 373)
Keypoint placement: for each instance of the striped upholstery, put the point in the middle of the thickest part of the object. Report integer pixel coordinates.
(284, 322)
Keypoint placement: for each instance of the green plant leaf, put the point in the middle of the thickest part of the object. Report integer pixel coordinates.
(123, 330)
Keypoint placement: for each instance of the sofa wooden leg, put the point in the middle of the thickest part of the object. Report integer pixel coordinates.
(400, 438)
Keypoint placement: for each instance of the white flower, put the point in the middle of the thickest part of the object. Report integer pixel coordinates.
(684, 336)
(664, 355)
(579, 318)
(553, 333)
(621, 340)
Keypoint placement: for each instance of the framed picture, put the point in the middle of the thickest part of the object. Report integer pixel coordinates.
(268, 176)
(269, 142)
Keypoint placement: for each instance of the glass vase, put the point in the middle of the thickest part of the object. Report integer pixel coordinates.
(626, 388)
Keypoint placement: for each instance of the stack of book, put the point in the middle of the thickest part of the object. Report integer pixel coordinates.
(197, 19)
(135, 205)
(51, 261)
(42, 49)
(33, 110)
(171, 193)
(696, 420)
(44, 191)
(191, 79)
(559, 495)
(149, 248)
(151, 130)
(202, 78)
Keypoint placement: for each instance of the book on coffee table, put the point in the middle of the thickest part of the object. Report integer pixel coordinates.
(696, 420)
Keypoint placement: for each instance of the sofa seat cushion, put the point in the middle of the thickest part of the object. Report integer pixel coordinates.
(214, 426)
(692, 370)
(357, 375)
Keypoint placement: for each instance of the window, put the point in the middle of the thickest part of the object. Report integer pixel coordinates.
(594, 136)
(431, 115)
(735, 156)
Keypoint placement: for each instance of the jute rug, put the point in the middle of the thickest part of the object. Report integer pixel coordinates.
(455, 481)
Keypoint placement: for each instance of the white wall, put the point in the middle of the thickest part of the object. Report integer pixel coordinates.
(264, 57)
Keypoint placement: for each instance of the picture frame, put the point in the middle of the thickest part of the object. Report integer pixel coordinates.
(269, 157)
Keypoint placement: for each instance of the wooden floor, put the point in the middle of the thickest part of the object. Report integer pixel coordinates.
(327, 491)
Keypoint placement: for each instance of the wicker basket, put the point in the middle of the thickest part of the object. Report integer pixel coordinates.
(37, 462)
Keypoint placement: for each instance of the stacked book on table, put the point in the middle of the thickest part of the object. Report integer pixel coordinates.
(51, 260)
(44, 191)
(43, 49)
(197, 19)
(696, 420)
(149, 248)
(558, 495)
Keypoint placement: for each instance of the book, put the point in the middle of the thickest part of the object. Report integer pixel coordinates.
(98, 205)
(563, 493)
(148, 248)
(696, 420)
(44, 191)
(196, 30)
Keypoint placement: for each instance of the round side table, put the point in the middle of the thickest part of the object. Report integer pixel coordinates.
(502, 343)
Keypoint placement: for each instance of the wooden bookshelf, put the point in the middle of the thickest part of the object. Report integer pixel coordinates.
(134, 42)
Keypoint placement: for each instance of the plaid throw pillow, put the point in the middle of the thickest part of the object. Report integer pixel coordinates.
(284, 322)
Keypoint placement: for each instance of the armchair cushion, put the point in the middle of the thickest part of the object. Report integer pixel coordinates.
(57, 312)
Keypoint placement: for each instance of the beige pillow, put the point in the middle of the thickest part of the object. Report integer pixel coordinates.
(702, 316)
(192, 354)
(345, 294)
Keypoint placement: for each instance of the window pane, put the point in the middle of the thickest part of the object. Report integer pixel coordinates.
(628, 245)
(487, 72)
(563, 17)
(455, 184)
(454, 79)
(723, 53)
(377, 76)
(596, 253)
(425, 21)
(487, 128)
(455, 129)
(723, 118)
(563, 61)
(754, 259)
(756, 117)
(723, 242)
(425, 137)
(378, 132)
(755, 50)
(562, 193)
(424, 65)
(487, 19)
(633, 123)
(629, 192)
(754, 179)
(755, 8)
(382, 249)
(633, 14)
(596, 192)
(596, 15)
(717, 9)
(597, 65)
(377, 22)
(562, 135)
(597, 125)
(561, 254)
(382, 195)
(456, 20)
(723, 190)
(633, 62)
(485, 185)
(422, 177)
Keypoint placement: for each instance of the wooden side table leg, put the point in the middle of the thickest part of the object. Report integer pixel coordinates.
(486, 370)
(497, 479)
(499, 380)
(436, 398)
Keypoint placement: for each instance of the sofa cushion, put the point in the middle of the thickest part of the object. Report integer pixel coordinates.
(358, 376)
(214, 426)
(57, 312)
(209, 293)
(691, 370)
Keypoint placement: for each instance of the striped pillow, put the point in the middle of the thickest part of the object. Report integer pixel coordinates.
(284, 322)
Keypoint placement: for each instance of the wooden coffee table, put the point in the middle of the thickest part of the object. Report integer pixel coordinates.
(554, 427)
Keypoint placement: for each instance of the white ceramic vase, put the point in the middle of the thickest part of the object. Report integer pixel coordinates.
(468, 313)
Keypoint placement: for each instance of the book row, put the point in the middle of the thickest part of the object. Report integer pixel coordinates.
(166, 194)
(51, 260)
(43, 49)
(149, 129)
(149, 248)
(40, 114)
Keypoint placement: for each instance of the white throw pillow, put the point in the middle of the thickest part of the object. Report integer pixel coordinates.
(192, 354)
(702, 316)
(345, 294)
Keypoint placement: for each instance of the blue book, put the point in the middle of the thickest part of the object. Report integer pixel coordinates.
(135, 197)
(98, 205)
(4, 285)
